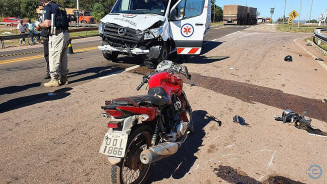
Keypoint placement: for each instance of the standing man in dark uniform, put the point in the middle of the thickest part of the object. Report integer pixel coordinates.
(45, 37)
(55, 19)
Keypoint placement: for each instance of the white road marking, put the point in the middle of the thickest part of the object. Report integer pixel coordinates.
(197, 166)
(229, 146)
(272, 158)
(120, 71)
(313, 56)
(260, 179)
(317, 135)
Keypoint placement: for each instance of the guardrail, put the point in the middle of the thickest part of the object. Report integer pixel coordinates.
(12, 37)
(319, 36)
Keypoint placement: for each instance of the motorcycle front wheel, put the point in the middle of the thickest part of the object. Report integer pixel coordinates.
(131, 170)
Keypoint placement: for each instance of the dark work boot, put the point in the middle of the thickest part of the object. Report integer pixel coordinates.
(47, 76)
(63, 80)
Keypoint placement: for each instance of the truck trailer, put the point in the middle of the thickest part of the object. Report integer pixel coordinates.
(239, 15)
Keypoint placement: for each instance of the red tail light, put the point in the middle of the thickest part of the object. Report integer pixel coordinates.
(115, 113)
(112, 125)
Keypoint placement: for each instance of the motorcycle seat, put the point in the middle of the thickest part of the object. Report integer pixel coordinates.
(156, 96)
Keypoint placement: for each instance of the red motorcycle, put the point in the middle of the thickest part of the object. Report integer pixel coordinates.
(145, 129)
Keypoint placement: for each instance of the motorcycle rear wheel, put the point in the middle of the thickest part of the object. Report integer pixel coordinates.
(131, 170)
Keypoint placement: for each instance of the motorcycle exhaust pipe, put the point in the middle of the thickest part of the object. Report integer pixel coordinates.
(158, 152)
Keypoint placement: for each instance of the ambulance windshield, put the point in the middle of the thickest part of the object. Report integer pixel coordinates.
(141, 7)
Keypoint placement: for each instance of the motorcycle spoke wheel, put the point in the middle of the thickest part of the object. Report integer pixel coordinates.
(131, 170)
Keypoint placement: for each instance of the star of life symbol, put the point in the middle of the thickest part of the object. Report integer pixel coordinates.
(187, 30)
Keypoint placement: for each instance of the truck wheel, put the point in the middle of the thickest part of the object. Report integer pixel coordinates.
(112, 57)
(83, 21)
(151, 64)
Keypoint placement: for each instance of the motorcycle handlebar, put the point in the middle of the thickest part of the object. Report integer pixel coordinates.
(188, 76)
(145, 80)
(139, 87)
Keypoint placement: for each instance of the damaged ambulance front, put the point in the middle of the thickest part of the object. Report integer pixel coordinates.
(136, 27)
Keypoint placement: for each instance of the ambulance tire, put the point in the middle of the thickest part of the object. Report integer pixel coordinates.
(112, 57)
(151, 64)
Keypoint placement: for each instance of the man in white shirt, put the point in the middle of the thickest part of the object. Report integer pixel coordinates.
(21, 30)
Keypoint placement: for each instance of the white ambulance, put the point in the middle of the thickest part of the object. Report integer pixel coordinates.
(154, 29)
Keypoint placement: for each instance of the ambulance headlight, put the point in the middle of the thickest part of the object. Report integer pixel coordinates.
(153, 33)
(101, 28)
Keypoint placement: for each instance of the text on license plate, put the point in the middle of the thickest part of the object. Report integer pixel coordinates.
(114, 144)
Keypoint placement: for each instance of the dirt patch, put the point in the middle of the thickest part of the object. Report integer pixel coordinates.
(251, 93)
(232, 175)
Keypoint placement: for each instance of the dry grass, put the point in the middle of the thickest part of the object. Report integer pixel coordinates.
(294, 29)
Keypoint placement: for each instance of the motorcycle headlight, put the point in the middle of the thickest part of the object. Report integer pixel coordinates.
(101, 28)
(153, 33)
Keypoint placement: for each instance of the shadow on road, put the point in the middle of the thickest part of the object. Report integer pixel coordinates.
(209, 46)
(95, 72)
(15, 89)
(178, 165)
(103, 71)
(200, 59)
(33, 99)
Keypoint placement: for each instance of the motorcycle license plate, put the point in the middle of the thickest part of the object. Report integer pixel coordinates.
(114, 144)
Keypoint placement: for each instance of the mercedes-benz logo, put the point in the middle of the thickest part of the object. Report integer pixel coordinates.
(122, 31)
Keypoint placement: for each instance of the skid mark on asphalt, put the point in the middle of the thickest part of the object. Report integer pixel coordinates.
(251, 94)
(41, 56)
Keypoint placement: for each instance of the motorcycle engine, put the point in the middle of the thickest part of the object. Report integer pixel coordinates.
(176, 105)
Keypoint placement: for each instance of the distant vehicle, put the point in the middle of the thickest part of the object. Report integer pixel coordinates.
(73, 13)
(83, 16)
(12, 21)
(239, 15)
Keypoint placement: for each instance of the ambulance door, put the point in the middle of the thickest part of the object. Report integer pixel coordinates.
(189, 21)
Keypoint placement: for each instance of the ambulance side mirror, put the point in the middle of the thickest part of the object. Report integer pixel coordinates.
(174, 16)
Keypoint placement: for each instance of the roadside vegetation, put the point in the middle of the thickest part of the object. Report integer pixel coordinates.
(294, 29)
(323, 45)
(217, 23)
(15, 42)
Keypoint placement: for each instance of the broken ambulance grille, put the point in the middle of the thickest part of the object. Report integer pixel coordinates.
(129, 38)
(188, 50)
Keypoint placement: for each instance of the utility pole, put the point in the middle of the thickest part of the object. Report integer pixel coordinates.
(310, 12)
(272, 10)
(77, 2)
(284, 13)
(298, 22)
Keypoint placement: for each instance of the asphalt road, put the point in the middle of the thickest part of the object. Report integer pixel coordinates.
(22, 70)
(56, 139)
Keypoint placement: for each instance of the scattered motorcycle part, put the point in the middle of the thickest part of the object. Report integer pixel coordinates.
(319, 59)
(288, 58)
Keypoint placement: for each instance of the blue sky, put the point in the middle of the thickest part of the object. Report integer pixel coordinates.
(318, 7)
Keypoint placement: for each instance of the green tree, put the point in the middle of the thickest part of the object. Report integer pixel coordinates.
(216, 12)
(11, 8)
(28, 8)
(98, 11)
(1, 8)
